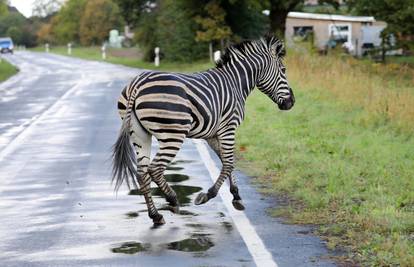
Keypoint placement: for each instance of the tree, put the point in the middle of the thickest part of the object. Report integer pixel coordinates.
(11, 19)
(44, 34)
(66, 26)
(132, 10)
(176, 30)
(16, 34)
(99, 17)
(214, 27)
(399, 15)
(245, 18)
(3, 7)
(278, 14)
(43, 8)
(280, 9)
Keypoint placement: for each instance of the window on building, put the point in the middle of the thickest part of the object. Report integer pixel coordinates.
(302, 32)
(340, 33)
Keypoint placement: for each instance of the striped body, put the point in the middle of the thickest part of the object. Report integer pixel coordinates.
(196, 105)
(207, 105)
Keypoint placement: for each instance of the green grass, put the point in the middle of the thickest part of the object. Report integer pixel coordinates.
(357, 182)
(94, 53)
(405, 60)
(6, 70)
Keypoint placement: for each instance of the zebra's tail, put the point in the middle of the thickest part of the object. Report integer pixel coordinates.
(124, 166)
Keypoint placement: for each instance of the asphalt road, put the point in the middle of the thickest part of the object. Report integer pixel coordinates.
(58, 120)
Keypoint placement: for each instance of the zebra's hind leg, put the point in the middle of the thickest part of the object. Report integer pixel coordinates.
(168, 148)
(141, 140)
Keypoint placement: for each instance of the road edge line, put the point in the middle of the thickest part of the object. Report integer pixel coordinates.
(261, 256)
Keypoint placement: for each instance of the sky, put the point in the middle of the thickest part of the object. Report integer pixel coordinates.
(24, 6)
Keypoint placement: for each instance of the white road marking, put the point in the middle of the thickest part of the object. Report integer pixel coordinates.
(19, 139)
(261, 256)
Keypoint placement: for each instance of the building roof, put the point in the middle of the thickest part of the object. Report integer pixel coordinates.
(302, 15)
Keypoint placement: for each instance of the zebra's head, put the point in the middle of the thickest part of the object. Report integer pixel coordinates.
(273, 81)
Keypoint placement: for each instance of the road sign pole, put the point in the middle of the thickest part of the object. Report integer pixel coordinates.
(157, 57)
(103, 52)
(69, 49)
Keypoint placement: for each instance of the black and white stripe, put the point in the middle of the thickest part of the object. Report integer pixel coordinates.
(207, 105)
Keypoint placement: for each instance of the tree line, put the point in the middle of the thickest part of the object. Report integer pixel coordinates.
(184, 29)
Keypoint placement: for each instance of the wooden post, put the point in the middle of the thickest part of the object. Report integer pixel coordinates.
(210, 48)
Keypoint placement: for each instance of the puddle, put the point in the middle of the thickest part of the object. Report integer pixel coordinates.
(132, 214)
(131, 248)
(197, 226)
(181, 162)
(228, 226)
(196, 243)
(176, 178)
(186, 212)
(183, 192)
(174, 168)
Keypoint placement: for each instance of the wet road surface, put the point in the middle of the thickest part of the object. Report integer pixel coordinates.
(58, 121)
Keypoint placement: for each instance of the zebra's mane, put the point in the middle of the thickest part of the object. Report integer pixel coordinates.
(265, 43)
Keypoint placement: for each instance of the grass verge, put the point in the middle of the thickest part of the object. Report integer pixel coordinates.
(6, 70)
(128, 57)
(344, 157)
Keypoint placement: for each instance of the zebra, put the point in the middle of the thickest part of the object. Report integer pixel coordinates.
(205, 105)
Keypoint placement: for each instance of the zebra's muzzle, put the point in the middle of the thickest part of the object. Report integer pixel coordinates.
(287, 102)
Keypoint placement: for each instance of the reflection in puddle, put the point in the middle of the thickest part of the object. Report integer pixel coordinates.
(181, 162)
(228, 226)
(183, 192)
(196, 243)
(131, 248)
(174, 168)
(176, 178)
(132, 214)
(197, 226)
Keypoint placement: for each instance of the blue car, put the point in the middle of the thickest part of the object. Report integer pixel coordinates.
(6, 45)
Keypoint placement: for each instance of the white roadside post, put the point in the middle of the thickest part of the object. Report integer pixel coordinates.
(217, 55)
(103, 52)
(157, 57)
(47, 48)
(69, 48)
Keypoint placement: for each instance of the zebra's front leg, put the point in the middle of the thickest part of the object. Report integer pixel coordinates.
(237, 201)
(224, 147)
(168, 148)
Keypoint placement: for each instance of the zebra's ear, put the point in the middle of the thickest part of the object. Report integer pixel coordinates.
(276, 46)
(279, 49)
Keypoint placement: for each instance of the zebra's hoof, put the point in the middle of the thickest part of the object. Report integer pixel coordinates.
(238, 204)
(201, 199)
(159, 220)
(174, 209)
